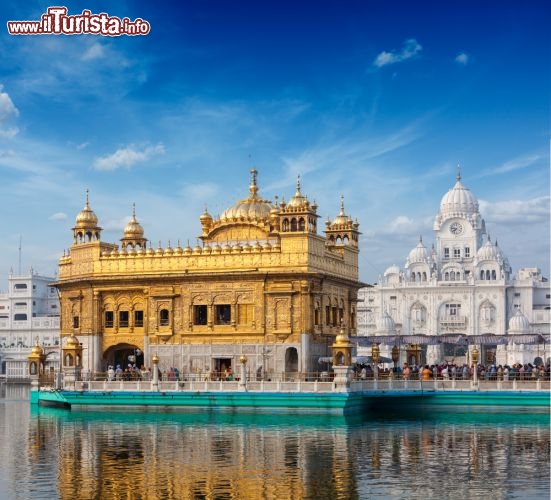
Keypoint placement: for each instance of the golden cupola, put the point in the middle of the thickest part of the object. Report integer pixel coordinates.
(246, 220)
(298, 201)
(133, 236)
(86, 227)
(206, 221)
(343, 231)
(253, 208)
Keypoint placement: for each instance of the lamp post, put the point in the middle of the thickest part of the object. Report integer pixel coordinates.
(155, 378)
(243, 379)
(375, 356)
(474, 357)
(395, 357)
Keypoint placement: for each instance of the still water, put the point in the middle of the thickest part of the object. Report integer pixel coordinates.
(51, 454)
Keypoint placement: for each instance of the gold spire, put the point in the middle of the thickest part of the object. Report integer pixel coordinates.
(253, 188)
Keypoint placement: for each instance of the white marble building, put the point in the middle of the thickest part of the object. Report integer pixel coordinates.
(29, 312)
(459, 291)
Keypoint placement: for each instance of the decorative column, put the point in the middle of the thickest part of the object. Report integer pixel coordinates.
(155, 377)
(36, 360)
(474, 357)
(375, 357)
(395, 358)
(72, 362)
(243, 376)
(342, 361)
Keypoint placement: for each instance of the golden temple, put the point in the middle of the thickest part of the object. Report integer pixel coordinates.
(263, 284)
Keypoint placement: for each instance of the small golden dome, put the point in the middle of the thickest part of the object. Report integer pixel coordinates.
(342, 218)
(133, 229)
(298, 200)
(36, 351)
(72, 341)
(206, 218)
(86, 217)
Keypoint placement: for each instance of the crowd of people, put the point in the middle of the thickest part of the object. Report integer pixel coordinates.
(454, 371)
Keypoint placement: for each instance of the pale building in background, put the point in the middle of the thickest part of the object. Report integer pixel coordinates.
(29, 313)
(458, 292)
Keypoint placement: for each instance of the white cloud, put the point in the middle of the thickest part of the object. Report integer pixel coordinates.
(400, 223)
(117, 225)
(95, 51)
(9, 133)
(517, 163)
(463, 59)
(513, 212)
(411, 49)
(8, 111)
(127, 157)
(82, 146)
(202, 192)
(7, 108)
(58, 216)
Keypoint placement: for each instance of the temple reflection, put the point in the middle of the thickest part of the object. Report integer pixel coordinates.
(214, 455)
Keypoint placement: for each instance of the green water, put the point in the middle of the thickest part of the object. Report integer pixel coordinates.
(48, 453)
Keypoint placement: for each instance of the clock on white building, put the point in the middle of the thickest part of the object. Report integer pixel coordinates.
(456, 228)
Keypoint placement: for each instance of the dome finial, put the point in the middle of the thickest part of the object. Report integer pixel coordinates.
(298, 184)
(253, 188)
(134, 211)
(458, 176)
(86, 205)
(342, 205)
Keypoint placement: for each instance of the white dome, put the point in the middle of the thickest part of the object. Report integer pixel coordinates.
(458, 201)
(488, 251)
(386, 325)
(392, 270)
(418, 254)
(519, 323)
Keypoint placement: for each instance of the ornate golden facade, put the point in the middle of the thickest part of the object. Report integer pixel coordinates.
(263, 283)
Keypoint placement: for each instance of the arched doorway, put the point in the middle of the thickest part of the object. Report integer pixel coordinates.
(123, 355)
(291, 360)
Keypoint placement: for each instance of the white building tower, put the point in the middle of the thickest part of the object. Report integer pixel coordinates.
(460, 292)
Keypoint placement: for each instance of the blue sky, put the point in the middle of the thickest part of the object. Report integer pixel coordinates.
(375, 101)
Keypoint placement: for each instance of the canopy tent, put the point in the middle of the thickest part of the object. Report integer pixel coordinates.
(361, 360)
(459, 339)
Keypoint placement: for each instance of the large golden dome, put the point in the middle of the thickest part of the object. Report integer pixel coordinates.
(253, 208)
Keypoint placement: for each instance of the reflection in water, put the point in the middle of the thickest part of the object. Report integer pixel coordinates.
(213, 455)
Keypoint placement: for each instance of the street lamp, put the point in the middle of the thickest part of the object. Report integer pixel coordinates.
(375, 356)
(474, 357)
(243, 379)
(395, 356)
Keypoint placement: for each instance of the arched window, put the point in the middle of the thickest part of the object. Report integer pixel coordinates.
(494, 275)
(285, 224)
(482, 274)
(301, 224)
(164, 317)
(293, 224)
(488, 275)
